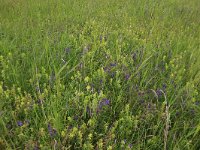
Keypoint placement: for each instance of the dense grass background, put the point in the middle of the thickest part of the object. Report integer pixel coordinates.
(99, 74)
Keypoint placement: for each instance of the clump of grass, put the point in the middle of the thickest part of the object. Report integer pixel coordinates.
(85, 75)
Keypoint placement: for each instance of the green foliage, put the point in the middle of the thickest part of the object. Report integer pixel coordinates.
(107, 74)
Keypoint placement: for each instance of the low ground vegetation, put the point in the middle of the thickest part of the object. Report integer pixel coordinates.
(107, 74)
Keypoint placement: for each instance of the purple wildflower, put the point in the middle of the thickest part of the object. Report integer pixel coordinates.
(38, 89)
(113, 64)
(149, 106)
(113, 74)
(197, 103)
(51, 130)
(106, 69)
(67, 50)
(164, 87)
(39, 102)
(141, 101)
(36, 147)
(192, 111)
(105, 101)
(99, 91)
(134, 56)
(101, 81)
(103, 38)
(19, 123)
(159, 93)
(141, 93)
(54, 131)
(127, 76)
(130, 145)
(102, 103)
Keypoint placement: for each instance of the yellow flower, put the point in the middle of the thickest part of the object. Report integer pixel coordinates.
(42, 131)
(100, 143)
(90, 136)
(71, 135)
(1, 89)
(88, 87)
(86, 79)
(109, 147)
(63, 133)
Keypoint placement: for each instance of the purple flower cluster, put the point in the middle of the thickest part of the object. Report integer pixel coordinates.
(113, 64)
(164, 86)
(127, 76)
(67, 50)
(197, 103)
(103, 102)
(159, 93)
(39, 102)
(113, 74)
(36, 147)
(134, 56)
(108, 69)
(51, 130)
(19, 123)
(103, 37)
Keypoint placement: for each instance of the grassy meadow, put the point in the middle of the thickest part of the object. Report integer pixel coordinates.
(100, 74)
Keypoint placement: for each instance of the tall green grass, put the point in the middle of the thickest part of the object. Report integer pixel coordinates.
(107, 74)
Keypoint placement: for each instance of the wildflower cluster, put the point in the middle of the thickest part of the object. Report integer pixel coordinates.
(89, 76)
